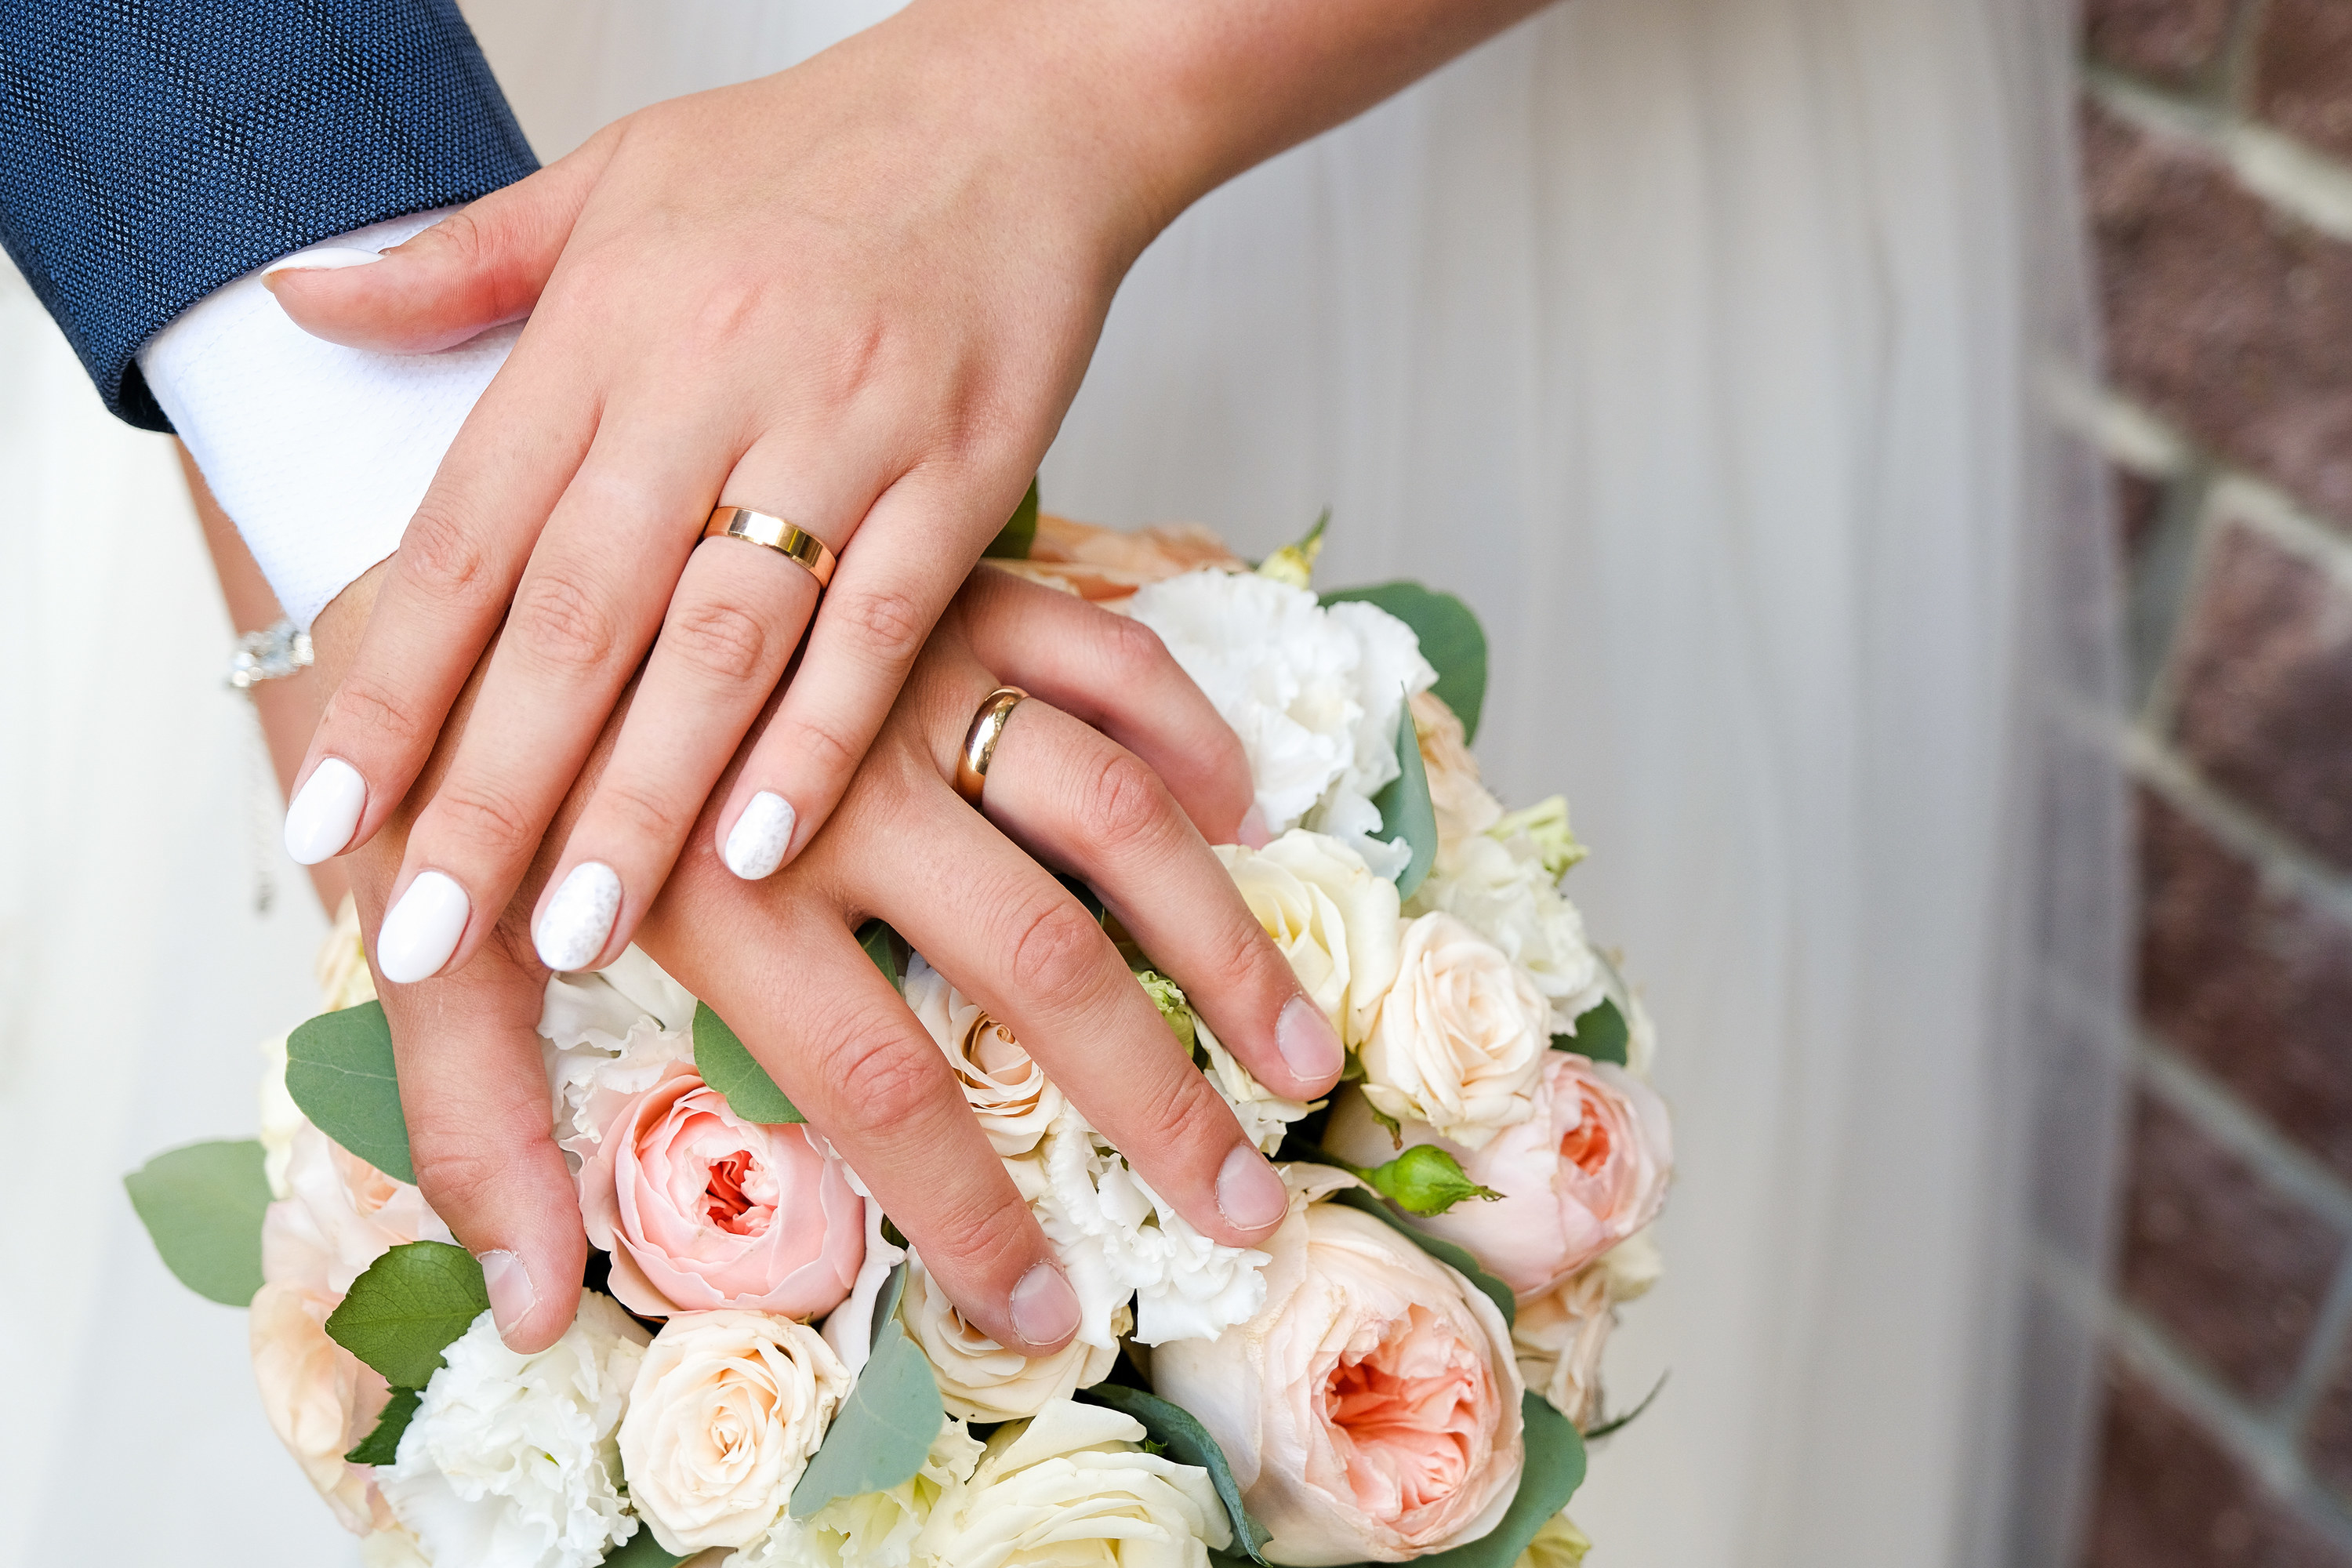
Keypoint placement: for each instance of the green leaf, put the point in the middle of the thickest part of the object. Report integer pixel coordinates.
(1444, 1251)
(410, 1305)
(641, 1551)
(1405, 806)
(1619, 1423)
(1601, 1033)
(381, 1446)
(1554, 1470)
(886, 1303)
(338, 1070)
(201, 1207)
(1451, 640)
(881, 945)
(1020, 532)
(883, 1433)
(1188, 1443)
(728, 1066)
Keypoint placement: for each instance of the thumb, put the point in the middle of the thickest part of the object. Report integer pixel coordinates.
(469, 272)
(474, 1092)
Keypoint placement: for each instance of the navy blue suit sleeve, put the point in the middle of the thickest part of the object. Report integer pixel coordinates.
(152, 150)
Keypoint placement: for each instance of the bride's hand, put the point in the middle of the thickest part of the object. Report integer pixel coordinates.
(858, 295)
(779, 962)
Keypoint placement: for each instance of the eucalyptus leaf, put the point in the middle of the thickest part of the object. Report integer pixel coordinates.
(338, 1068)
(1444, 1251)
(641, 1551)
(201, 1207)
(1019, 535)
(1601, 1033)
(886, 1303)
(1619, 1423)
(1555, 1468)
(884, 1431)
(727, 1065)
(381, 1446)
(411, 1304)
(1188, 1443)
(1405, 809)
(881, 945)
(1451, 640)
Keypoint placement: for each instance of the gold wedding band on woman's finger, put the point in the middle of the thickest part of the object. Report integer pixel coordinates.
(789, 540)
(980, 740)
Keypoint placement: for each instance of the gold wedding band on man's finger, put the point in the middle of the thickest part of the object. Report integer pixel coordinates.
(980, 740)
(789, 540)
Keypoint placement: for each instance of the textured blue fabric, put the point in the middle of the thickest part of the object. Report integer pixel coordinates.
(152, 150)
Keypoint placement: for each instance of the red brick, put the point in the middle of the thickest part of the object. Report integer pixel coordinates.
(2264, 677)
(2327, 1439)
(2302, 80)
(2233, 1269)
(2169, 1496)
(2170, 41)
(2254, 983)
(2224, 316)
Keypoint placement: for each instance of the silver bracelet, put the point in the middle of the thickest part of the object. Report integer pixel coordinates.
(271, 654)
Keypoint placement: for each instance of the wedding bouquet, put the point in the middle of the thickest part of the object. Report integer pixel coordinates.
(763, 1374)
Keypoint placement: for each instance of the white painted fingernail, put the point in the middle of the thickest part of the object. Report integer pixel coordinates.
(325, 812)
(756, 844)
(423, 928)
(579, 917)
(323, 258)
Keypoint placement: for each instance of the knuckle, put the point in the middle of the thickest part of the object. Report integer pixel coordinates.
(360, 702)
(820, 740)
(445, 558)
(482, 818)
(642, 815)
(987, 1233)
(1052, 955)
(1185, 1120)
(722, 641)
(879, 1079)
(888, 623)
(458, 1175)
(563, 624)
(1131, 650)
(1122, 808)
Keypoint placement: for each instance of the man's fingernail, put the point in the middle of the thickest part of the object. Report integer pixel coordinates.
(579, 917)
(1252, 833)
(1310, 1047)
(1249, 1194)
(1044, 1307)
(756, 844)
(423, 928)
(325, 812)
(325, 258)
(509, 1284)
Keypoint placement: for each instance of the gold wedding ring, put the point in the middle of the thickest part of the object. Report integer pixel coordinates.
(980, 740)
(791, 541)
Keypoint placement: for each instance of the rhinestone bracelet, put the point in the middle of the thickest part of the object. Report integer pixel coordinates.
(271, 654)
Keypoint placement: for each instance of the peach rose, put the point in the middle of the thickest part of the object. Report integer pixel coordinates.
(703, 1210)
(1460, 1035)
(1586, 1170)
(1460, 802)
(1371, 1411)
(1009, 1093)
(1559, 1335)
(339, 1215)
(1105, 563)
(321, 1400)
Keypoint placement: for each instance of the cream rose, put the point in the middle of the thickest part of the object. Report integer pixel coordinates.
(702, 1210)
(1333, 920)
(723, 1417)
(1460, 1037)
(510, 1460)
(1460, 802)
(1371, 1411)
(872, 1529)
(1009, 1094)
(1588, 1168)
(1070, 1486)
(980, 1380)
(1558, 1544)
(339, 1215)
(319, 1398)
(1509, 899)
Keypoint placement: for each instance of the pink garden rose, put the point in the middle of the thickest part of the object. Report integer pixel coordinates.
(1371, 1411)
(702, 1210)
(1586, 1170)
(339, 1215)
(319, 1398)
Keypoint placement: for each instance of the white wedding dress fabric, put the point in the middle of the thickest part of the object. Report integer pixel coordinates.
(1698, 344)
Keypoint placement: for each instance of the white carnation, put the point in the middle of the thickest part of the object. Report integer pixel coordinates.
(873, 1530)
(1313, 694)
(512, 1461)
(1510, 900)
(607, 1035)
(1265, 1116)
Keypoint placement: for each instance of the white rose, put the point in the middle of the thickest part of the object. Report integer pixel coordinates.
(723, 1417)
(320, 1399)
(1313, 694)
(281, 1117)
(872, 1529)
(1265, 1116)
(978, 1379)
(344, 978)
(1008, 1092)
(1330, 916)
(394, 1548)
(339, 1215)
(1072, 1486)
(510, 1461)
(1460, 1037)
(1510, 901)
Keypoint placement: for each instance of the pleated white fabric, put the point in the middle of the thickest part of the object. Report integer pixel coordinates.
(1693, 342)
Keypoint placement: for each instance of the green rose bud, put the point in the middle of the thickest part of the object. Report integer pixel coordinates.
(1545, 824)
(1169, 998)
(1424, 1180)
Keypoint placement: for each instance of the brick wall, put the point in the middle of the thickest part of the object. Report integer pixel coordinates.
(2218, 142)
